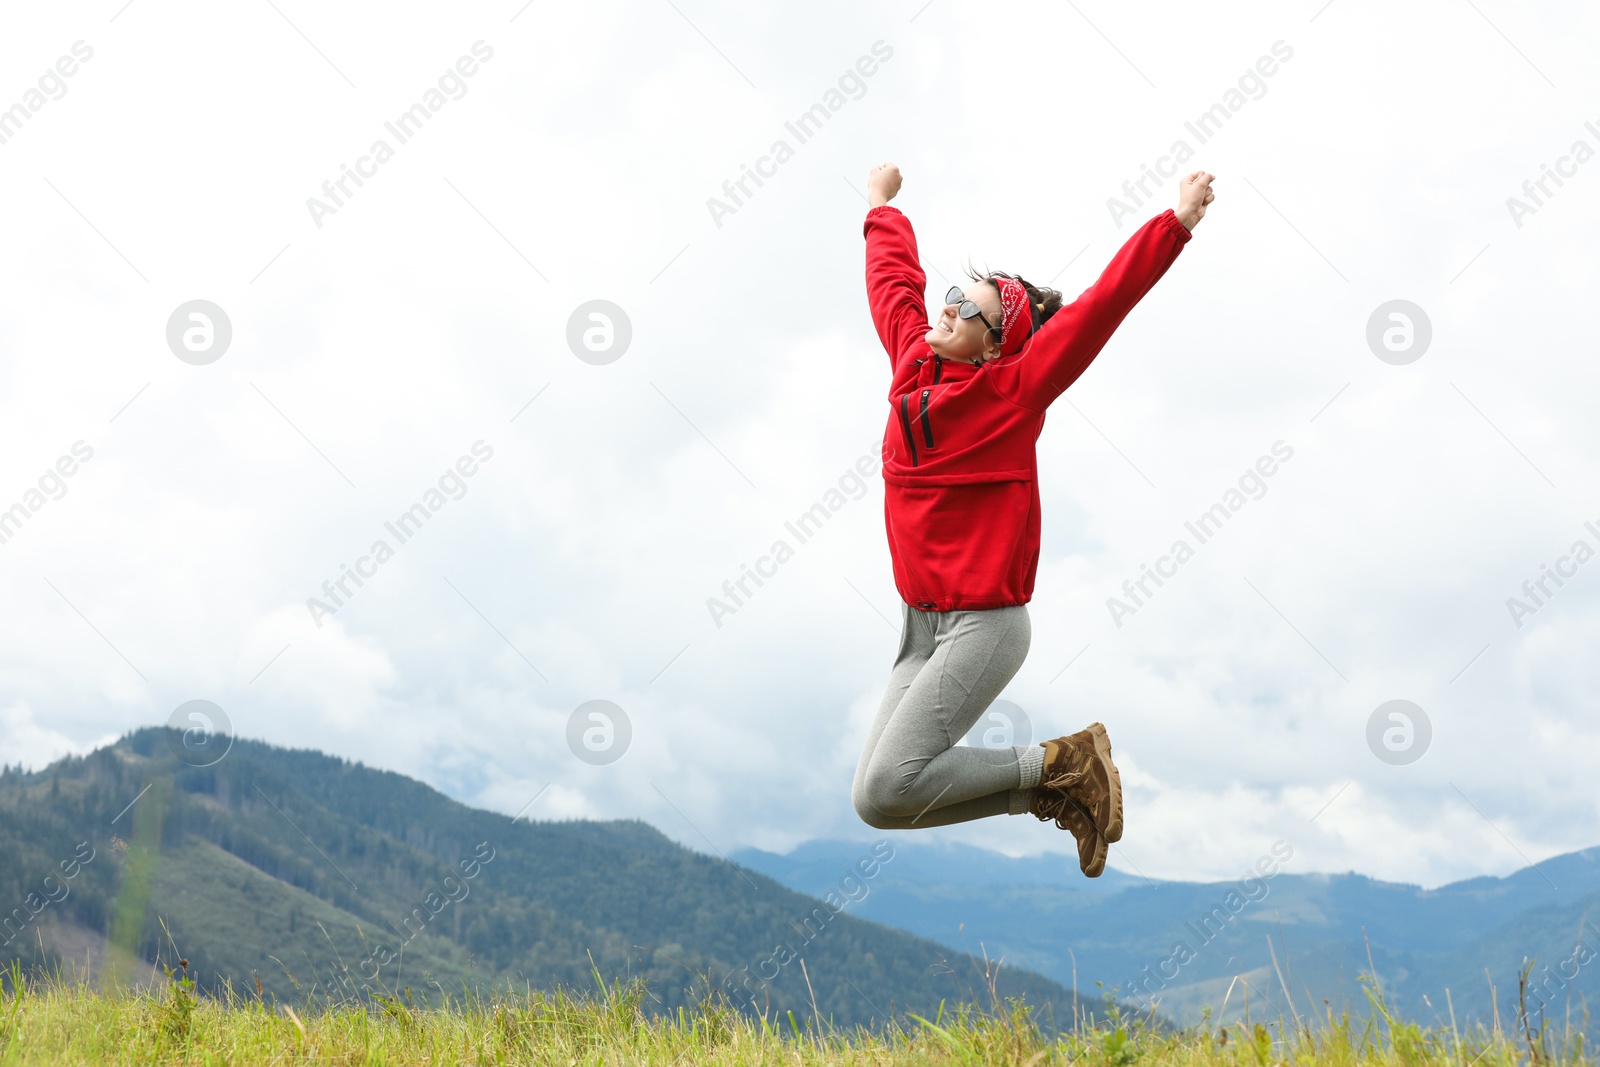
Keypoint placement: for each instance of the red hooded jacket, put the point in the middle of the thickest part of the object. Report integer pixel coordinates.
(961, 487)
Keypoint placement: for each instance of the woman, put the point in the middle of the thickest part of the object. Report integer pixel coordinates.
(961, 503)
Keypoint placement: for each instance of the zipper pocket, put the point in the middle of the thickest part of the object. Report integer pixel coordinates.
(905, 424)
(927, 427)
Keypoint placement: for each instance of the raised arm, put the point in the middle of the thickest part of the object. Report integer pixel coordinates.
(1066, 345)
(895, 280)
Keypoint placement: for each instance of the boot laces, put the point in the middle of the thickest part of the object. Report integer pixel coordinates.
(1071, 776)
(1058, 799)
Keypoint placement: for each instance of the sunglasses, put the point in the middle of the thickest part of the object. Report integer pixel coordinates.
(968, 309)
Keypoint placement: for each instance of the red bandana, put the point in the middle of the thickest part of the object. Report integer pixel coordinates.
(1016, 318)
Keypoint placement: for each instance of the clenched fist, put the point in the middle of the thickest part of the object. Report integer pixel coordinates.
(883, 182)
(1194, 193)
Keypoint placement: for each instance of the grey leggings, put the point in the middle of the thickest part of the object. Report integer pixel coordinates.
(950, 668)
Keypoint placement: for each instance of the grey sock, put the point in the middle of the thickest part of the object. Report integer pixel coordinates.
(1030, 761)
(1021, 801)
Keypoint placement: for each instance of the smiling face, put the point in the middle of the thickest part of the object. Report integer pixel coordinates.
(968, 340)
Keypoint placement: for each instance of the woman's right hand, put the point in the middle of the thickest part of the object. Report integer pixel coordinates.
(883, 182)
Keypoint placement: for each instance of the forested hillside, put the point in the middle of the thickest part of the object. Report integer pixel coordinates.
(323, 878)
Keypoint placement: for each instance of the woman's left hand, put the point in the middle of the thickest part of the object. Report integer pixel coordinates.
(1194, 193)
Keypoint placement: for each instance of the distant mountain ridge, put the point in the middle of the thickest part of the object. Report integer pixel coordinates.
(324, 878)
(1126, 931)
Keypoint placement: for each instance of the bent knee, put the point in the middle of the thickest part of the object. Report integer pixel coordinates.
(875, 818)
(875, 798)
(884, 794)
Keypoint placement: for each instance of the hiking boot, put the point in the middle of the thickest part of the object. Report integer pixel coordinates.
(1080, 766)
(1069, 815)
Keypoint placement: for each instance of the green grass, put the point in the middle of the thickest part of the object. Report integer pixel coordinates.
(167, 1022)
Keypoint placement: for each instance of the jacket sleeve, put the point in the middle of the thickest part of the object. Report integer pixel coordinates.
(895, 281)
(1066, 345)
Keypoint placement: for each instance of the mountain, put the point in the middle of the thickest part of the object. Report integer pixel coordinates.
(1179, 945)
(323, 878)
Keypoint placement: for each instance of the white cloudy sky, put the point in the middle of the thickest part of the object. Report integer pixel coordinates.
(369, 353)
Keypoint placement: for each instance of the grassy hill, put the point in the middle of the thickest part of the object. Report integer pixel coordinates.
(329, 880)
(53, 1024)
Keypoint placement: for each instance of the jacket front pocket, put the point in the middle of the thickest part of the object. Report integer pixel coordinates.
(905, 423)
(927, 426)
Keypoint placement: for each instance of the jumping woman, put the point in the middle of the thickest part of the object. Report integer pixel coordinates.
(961, 502)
